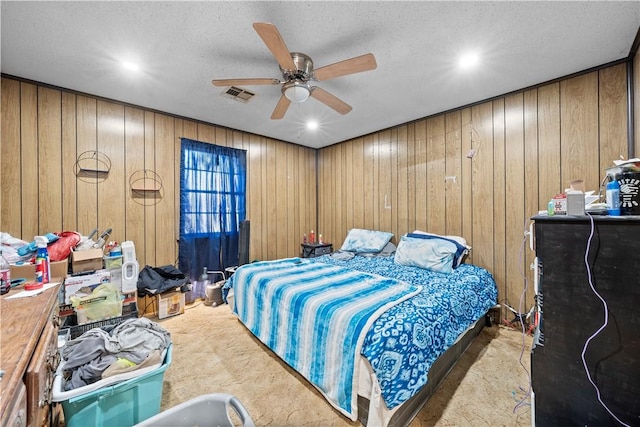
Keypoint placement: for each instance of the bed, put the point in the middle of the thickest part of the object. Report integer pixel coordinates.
(373, 334)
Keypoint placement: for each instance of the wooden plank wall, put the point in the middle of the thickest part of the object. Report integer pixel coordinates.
(528, 146)
(44, 130)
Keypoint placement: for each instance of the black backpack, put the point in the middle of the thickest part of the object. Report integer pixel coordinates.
(156, 280)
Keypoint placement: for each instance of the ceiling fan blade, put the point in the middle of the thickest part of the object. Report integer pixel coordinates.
(274, 41)
(281, 108)
(330, 100)
(241, 82)
(348, 66)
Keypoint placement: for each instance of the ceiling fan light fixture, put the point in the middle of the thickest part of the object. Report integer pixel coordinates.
(296, 91)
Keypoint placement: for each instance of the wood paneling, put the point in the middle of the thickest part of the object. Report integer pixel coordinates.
(436, 165)
(453, 168)
(86, 185)
(548, 143)
(579, 151)
(10, 197)
(528, 145)
(134, 206)
(357, 192)
(499, 269)
(514, 213)
(402, 192)
(612, 113)
(49, 152)
(466, 201)
(165, 166)
(150, 208)
(482, 185)
(29, 200)
(44, 130)
(69, 156)
(111, 197)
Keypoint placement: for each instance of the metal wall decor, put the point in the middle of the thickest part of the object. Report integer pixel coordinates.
(92, 166)
(146, 186)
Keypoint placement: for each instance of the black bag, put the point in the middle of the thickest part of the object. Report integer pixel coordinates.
(156, 280)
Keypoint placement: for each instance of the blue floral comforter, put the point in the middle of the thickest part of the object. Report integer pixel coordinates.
(405, 341)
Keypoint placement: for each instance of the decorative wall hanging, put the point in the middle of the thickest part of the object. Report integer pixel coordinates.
(92, 166)
(146, 186)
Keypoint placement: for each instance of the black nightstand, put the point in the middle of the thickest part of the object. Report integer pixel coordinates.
(312, 250)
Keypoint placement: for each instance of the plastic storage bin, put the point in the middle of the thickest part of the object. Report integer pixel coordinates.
(122, 404)
(202, 411)
(104, 302)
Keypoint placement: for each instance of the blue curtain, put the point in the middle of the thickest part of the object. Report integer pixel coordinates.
(212, 204)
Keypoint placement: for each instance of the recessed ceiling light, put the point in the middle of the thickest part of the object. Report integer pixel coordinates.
(312, 125)
(130, 66)
(468, 60)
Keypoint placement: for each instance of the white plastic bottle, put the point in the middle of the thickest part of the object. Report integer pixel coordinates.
(130, 267)
(613, 198)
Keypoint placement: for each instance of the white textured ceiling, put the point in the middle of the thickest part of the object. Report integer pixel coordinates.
(182, 46)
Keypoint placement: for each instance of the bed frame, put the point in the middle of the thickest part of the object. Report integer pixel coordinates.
(438, 372)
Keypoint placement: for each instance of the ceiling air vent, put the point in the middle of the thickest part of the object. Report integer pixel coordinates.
(238, 94)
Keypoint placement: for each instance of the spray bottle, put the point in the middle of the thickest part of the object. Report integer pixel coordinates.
(43, 267)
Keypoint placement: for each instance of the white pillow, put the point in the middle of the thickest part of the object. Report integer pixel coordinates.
(365, 241)
(458, 239)
(431, 254)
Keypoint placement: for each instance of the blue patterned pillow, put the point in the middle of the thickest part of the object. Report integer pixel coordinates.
(433, 254)
(365, 241)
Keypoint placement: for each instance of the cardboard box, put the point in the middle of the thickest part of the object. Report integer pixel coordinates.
(560, 204)
(131, 298)
(86, 260)
(170, 304)
(81, 286)
(28, 271)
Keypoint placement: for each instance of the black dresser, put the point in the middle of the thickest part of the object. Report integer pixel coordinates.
(570, 312)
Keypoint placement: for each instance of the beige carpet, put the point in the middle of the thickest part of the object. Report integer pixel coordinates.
(214, 353)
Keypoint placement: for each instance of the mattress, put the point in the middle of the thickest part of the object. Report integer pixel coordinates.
(404, 340)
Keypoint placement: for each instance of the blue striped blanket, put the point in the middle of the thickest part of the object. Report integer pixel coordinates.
(281, 301)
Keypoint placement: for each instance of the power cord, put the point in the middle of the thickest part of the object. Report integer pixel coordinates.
(523, 401)
(604, 325)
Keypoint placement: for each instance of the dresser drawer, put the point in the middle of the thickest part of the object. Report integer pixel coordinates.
(40, 374)
(16, 415)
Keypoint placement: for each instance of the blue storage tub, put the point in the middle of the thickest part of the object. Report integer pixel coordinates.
(122, 404)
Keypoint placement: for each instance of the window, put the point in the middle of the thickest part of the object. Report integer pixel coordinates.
(212, 205)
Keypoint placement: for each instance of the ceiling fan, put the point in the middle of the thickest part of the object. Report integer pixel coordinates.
(297, 71)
